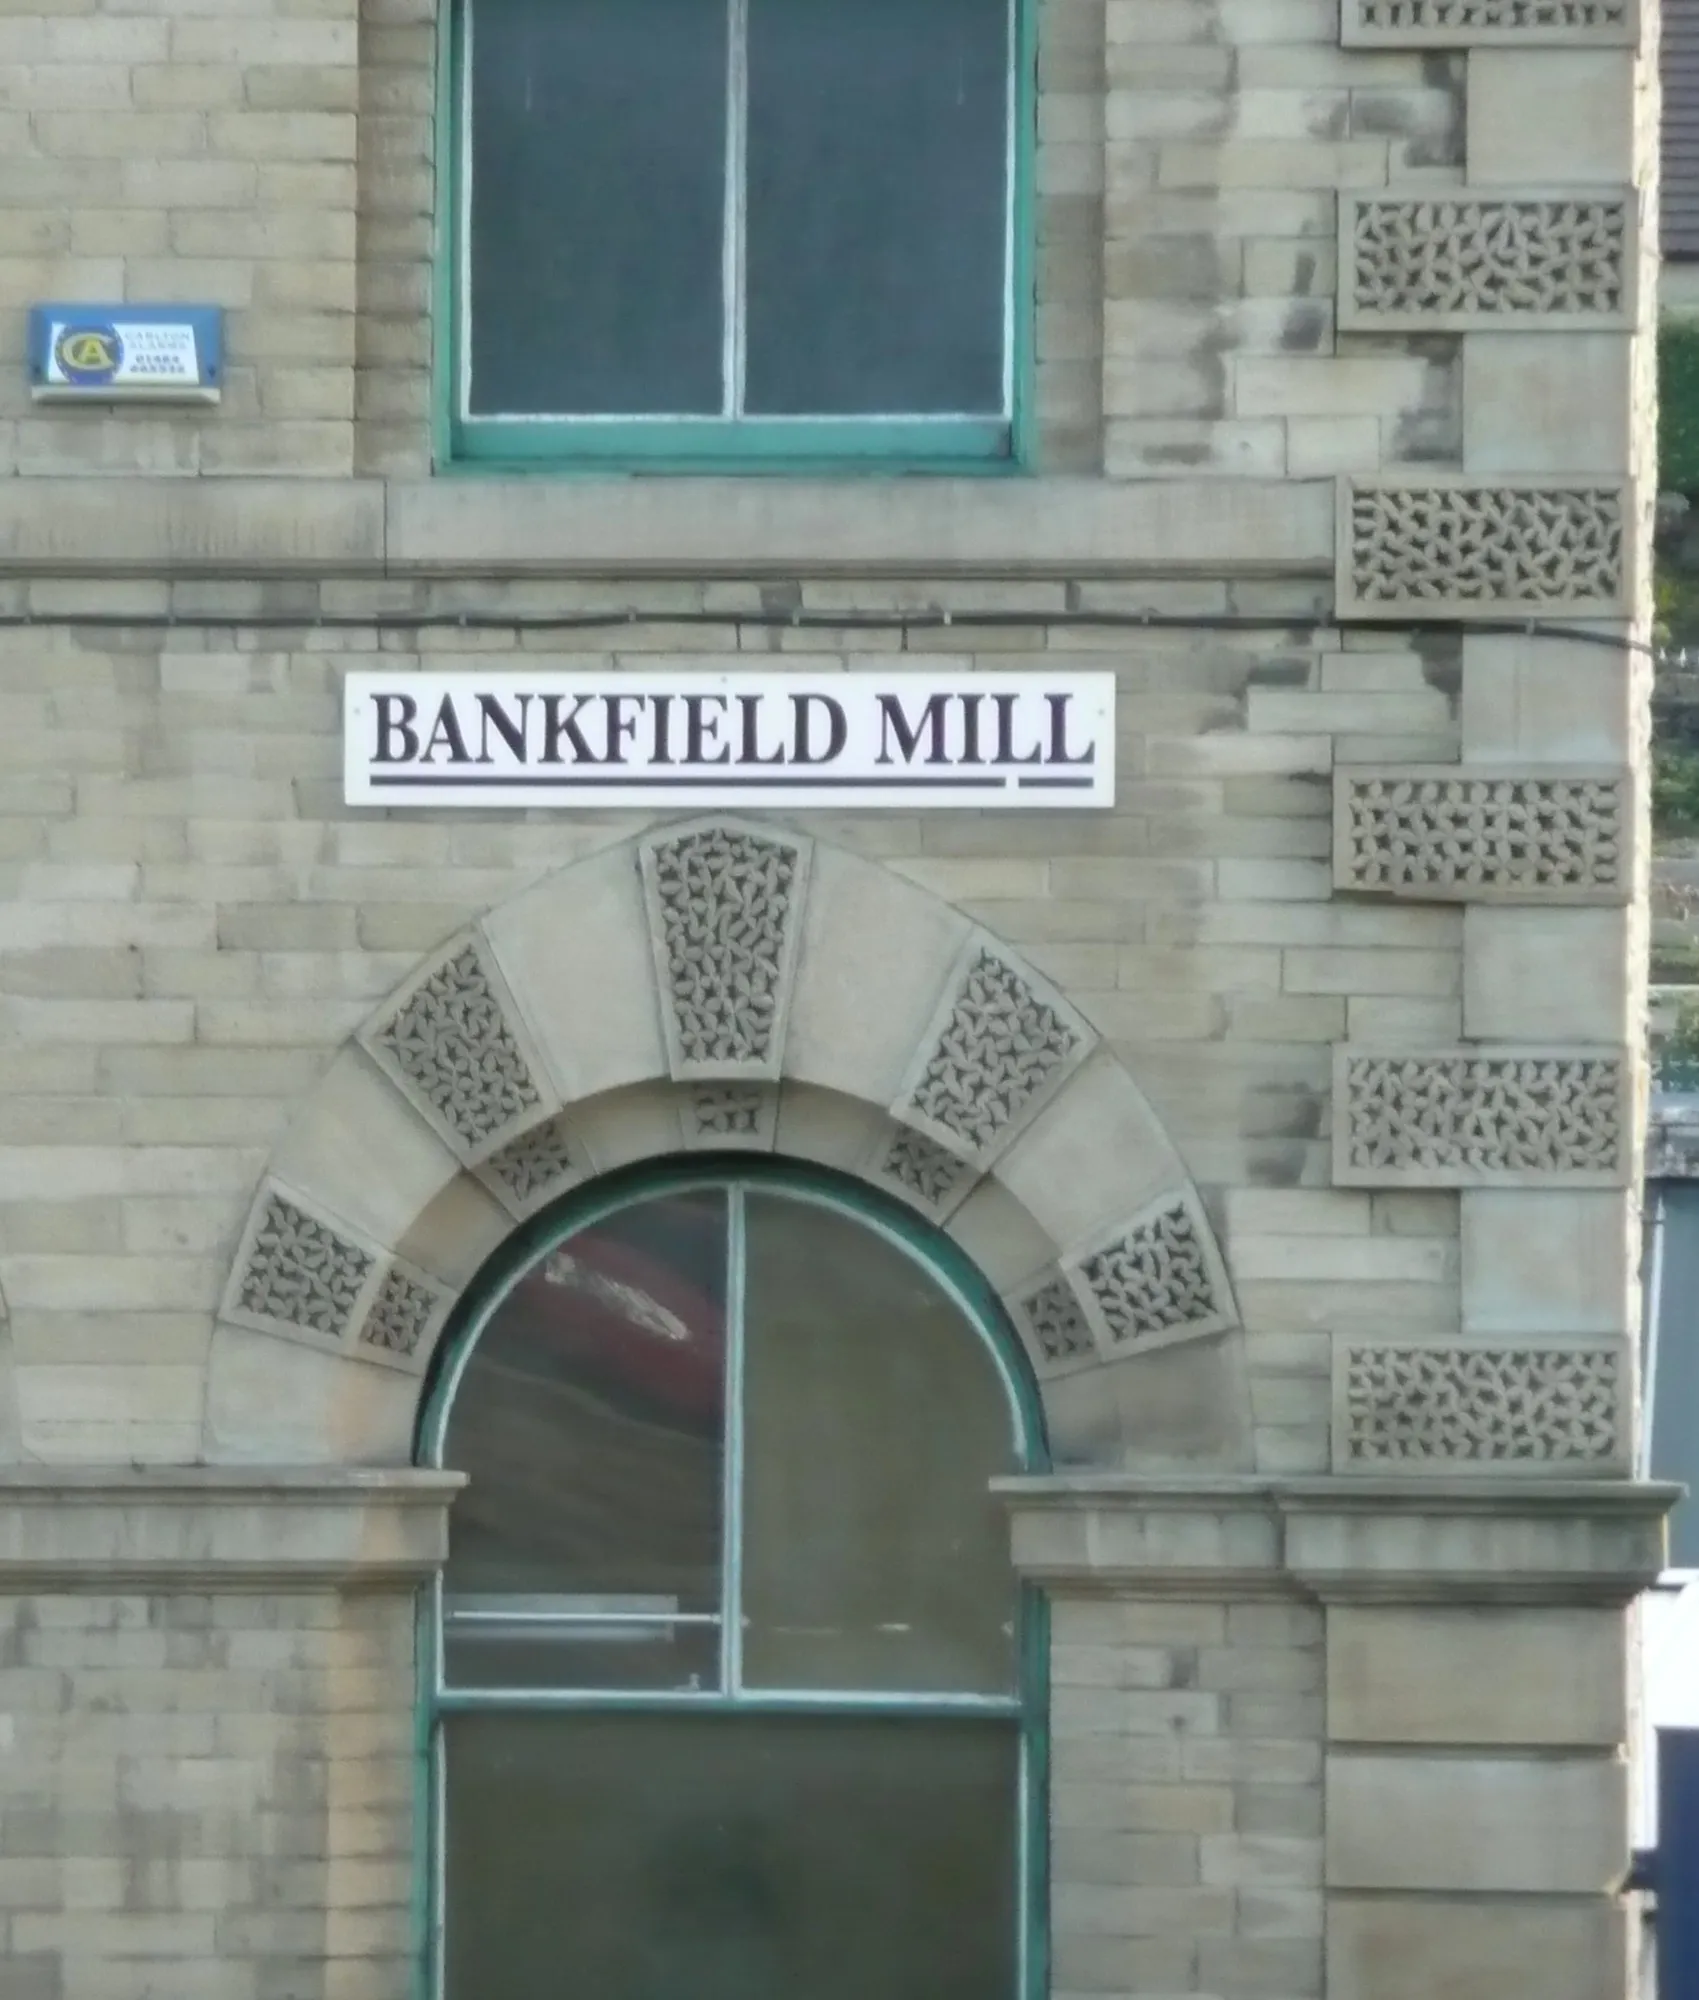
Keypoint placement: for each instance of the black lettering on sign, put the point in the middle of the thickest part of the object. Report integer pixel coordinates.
(396, 714)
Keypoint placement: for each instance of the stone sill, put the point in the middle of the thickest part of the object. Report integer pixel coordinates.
(1373, 1539)
(675, 527)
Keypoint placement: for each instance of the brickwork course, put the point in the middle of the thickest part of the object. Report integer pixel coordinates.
(1311, 1572)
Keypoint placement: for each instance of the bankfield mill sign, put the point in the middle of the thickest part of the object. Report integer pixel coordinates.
(986, 741)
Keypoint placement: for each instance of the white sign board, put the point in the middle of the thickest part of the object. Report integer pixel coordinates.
(986, 742)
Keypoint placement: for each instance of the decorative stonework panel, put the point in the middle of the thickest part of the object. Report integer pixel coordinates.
(296, 1272)
(1473, 262)
(1055, 1325)
(1155, 1280)
(725, 917)
(1447, 833)
(1445, 1406)
(1463, 24)
(452, 1047)
(403, 1319)
(927, 1175)
(1000, 1046)
(1460, 548)
(532, 1169)
(726, 1111)
(1481, 1117)
(741, 1116)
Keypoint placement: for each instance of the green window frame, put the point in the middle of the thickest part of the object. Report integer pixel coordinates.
(951, 1273)
(799, 445)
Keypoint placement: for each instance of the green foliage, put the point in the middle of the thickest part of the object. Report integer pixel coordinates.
(1675, 789)
(1678, 406)
(1675, 606)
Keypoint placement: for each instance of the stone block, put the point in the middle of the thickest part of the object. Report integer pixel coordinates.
(1475, 1948)
(1001, 1044)
(724, 905)
(456, 1045)
(1092, 1158)
(1502, 1116)
(1476, 1824)
(1447, 833)
(1548, 401)
(271, 1402)
(1556, 975)
(1457, 545)
(1434, 24)
(1566, 119)
(1551, 1262)
(1528, 700)
(577, 957)
(864, 930)
(1454, 261)
(257, 527)
(360, 1150)
(1450, 1406)
(1476, 1676)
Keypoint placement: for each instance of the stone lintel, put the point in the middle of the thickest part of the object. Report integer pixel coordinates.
(1346, 1540)
(221, 1529)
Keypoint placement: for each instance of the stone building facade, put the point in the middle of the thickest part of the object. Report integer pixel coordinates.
(1316, 1212)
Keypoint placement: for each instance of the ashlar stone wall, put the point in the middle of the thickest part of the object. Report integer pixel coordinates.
(1320, 1227)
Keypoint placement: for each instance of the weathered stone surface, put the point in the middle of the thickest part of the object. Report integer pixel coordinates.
(1475, 1947)
(1476, 1677)
(1476, 1824)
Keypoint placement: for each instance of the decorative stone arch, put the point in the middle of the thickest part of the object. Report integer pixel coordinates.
(718, 986)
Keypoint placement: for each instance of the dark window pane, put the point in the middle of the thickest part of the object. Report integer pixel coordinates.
(589, 1422)
(874, 1553)
(597, 206)
(730, 1858)
(878, 206)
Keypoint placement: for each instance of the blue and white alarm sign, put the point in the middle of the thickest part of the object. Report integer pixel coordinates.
(120, 354)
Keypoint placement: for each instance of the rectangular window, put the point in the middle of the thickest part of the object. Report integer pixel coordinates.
(738, 231)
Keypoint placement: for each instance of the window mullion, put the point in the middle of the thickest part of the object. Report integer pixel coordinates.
(731, 1512)
(736, 282)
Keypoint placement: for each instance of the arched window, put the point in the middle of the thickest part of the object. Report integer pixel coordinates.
(735, 1693)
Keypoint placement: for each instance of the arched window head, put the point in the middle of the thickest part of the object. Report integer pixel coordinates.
(731, 1662)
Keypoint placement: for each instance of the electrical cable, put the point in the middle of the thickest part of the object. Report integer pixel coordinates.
(924, 620)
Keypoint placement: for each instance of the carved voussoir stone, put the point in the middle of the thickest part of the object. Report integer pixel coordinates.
(528, 1172)
(297, 1272)
(1456, 546)
(920, 1171)
(1155, 1280)
(453, 1043)
(738, 1116)
(1449, 833)
(313, 1278)
(1000, 1045)
(1052, 1321)
(405, 1315)
(1482, 1117)
(1464, 24)
(1450, 1404)
(1458, 261)
(725, 905)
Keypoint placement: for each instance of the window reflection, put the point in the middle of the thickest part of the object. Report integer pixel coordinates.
(591, 1424)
